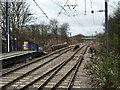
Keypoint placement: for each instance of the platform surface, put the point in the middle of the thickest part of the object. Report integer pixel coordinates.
(14, 54)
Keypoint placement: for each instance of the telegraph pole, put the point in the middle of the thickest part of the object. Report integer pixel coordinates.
(106, 26)
(7, 26)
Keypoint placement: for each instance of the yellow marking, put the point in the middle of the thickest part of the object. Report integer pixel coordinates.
(12, 54)
(26, 42)
(26, 48)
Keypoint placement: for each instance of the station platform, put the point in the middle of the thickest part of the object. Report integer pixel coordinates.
(14, 54)
(8, 59)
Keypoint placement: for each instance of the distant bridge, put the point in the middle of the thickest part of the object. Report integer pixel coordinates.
(88, 38)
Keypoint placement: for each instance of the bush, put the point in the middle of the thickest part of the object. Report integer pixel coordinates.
(105, 69)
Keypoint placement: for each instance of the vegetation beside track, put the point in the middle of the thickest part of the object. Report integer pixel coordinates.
(105, 69)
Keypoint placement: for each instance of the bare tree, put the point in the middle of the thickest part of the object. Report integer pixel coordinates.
(63, 31)
(54, 28)
(18, 16)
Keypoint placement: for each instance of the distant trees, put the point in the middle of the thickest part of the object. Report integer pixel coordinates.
(20, 28)
(43, 34)
(63, 31)
(18, 16)
(54, 28)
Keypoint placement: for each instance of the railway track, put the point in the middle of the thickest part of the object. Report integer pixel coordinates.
(63, 76)
(13, 75)
(33, 61)
(43, 73)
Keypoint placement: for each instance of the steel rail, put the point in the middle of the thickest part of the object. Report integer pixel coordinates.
(52, 75)
(11, 82)
(76, 69)
(35, 60)
(63, 78)
(31, 83)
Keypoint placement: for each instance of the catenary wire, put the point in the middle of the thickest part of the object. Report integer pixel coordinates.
(62, 8)
(41, 9)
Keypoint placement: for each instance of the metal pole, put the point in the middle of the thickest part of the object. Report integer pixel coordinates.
(56, 35)
(119, 23)
(7, 26)
(71, 38)
(92, 37)
(118, 6)
(106, 27)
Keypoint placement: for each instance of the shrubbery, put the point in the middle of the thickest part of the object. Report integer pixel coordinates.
(105, 70)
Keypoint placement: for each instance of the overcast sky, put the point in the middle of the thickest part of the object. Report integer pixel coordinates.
(78, 21)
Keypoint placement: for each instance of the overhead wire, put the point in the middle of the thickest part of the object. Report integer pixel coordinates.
(62, 8)
(113, 7)
(76, 2)
(91, 4)
(80, 24)
(92, 13)
(92, 20)
(73, 6)
(57, 3)
(76, 20)
(73, 17)
(67, 12)
(69, 7)
(79, 11)
(85, 7)
(41, 9)
(101, 24)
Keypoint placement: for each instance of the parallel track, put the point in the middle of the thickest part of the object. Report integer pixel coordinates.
(14, 75)
(48, 72)
(67, 70)
(34, 61)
